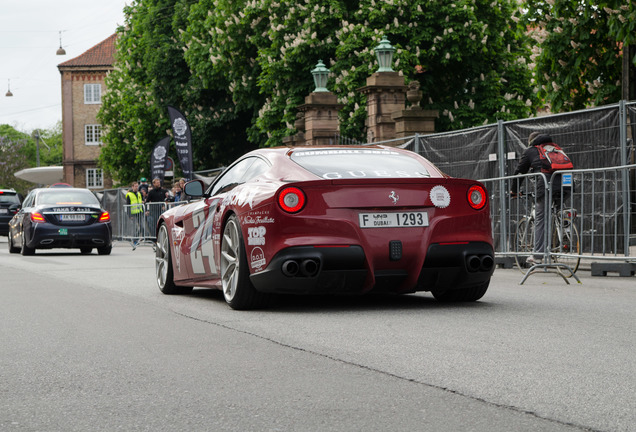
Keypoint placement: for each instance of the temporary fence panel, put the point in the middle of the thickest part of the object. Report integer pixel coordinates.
(606, 211)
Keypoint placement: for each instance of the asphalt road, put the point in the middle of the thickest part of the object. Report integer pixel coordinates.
(88, 343)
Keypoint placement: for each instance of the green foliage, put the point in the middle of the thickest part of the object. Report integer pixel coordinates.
(262, 52)
(578, 50)
(151, 74)
(238, 69)
(18, 150)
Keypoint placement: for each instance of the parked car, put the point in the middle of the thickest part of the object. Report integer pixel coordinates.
(328, 220)
(60, 218)
(9, 203)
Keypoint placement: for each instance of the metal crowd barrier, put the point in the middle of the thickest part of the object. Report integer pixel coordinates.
(139, 226)
(600, 205)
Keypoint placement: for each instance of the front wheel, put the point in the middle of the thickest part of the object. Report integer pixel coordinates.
(523, 242)
(462, 295)
(163, 265)
(238, 290)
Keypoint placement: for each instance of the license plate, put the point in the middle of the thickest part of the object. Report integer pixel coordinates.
(4, 211)
(72, 217)
(393, 220)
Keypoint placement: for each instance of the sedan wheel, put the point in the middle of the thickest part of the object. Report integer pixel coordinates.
(12, 249)
(163, 265)
(238, 290)
(25, 249)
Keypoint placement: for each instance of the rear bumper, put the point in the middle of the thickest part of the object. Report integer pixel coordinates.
(309, 269)
(313, 270)
(48, 236)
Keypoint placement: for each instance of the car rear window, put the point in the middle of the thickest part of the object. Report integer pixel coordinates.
(359, 163)
(66, 197)
(9, 198)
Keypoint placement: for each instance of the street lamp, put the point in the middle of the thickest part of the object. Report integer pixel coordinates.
(60, 50)
(384, 53)
(320, 73)
(9, 94)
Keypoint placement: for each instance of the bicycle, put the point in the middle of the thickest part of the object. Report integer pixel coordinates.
(565, 244)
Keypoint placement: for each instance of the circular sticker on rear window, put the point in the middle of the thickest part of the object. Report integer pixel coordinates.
(440, 197)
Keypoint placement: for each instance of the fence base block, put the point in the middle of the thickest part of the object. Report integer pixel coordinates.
(623, 269)
(504, 262)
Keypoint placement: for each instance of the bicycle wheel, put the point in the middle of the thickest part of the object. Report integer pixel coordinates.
(523, 242)
(567, 248)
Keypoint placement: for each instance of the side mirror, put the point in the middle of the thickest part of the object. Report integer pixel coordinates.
(194, 188)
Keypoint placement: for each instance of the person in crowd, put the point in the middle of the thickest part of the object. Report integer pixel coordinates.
(134, 209)
(156, 195)
(182, 182)
(533, 160)
(177, 191)
(143, 185)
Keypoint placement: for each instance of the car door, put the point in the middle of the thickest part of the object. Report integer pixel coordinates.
(21, 220)
(202, 234)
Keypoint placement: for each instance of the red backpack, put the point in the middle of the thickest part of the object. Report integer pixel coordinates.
(553, 158)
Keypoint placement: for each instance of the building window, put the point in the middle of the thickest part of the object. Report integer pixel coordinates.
(92, 134)
(94, 178)
(92, 93)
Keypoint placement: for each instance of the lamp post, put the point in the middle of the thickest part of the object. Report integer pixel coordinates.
(8, 93)
(384, 53)
(321, 74)
(60, 50)
(36, 135)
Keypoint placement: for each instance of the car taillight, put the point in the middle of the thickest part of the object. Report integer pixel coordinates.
(105, 217)
(37, 217)
(477, 197)
(291, 199)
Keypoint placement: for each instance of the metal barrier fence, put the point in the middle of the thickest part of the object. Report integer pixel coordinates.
(594, 208)
(140, 223)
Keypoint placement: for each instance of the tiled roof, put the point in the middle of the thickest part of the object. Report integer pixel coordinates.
(99, 55)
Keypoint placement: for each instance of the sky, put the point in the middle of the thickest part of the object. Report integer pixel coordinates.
(29, 39)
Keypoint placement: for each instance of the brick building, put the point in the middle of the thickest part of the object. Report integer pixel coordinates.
(82, 90)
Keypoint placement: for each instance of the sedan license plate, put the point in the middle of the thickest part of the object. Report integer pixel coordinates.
(72, 217)
(4, 211)
(393, 220)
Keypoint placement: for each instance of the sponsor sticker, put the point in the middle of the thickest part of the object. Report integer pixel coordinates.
(256, 236)
(440, 196)
(258, 258)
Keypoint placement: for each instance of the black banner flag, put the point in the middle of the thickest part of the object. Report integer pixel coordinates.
(158, 159)
(182, 140)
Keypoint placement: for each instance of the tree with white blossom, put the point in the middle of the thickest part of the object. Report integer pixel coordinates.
(578, 54)
(239, 68)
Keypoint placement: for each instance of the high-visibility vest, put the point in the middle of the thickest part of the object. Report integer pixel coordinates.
(136, 203)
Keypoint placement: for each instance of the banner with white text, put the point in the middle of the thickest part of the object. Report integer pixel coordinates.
(158, 159)
(182, 140)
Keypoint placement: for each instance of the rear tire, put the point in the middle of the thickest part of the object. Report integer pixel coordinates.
(238, 290)
(462, 295)
(25, 249)
(163, 265)
(104, 250)
(12, 249)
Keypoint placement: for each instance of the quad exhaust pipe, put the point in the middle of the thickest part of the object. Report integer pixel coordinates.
(304, 268)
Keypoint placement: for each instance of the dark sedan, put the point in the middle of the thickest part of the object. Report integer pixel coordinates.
(60, 218)
(9, 203)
